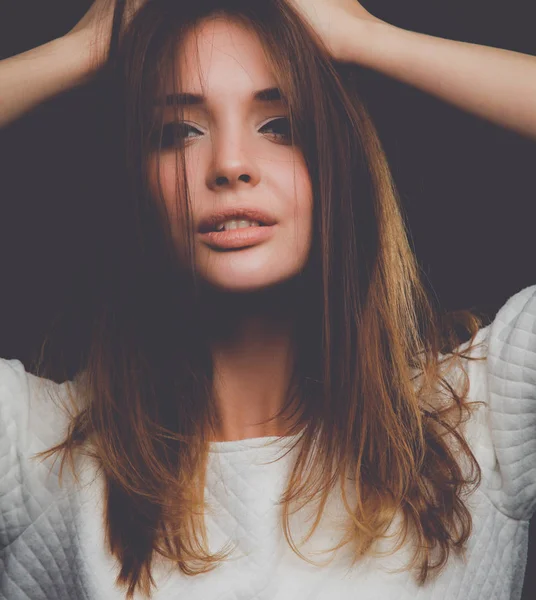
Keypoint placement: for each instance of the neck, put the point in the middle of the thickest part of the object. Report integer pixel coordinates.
(252, 343)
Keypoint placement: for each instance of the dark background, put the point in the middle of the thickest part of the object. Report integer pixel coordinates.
(468, 187)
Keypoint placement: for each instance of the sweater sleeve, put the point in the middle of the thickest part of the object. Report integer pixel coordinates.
(13, 420)
(510, 385)
(30, 421)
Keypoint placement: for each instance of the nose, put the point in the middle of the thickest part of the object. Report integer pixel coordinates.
(233, 164)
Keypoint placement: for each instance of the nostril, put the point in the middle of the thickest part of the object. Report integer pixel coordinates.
(223, 180)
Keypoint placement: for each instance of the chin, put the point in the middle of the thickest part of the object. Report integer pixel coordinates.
(244, 282)
(249, 270)
(247, 279)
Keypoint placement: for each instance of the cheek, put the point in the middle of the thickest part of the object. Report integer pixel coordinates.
(166, 180)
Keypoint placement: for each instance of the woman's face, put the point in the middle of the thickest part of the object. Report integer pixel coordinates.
(251, 197)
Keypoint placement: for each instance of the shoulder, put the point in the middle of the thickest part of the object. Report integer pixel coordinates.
(34, 416)
(504, 431)
(518, 312)
(33, 410)
(510, 339)
(13, 403)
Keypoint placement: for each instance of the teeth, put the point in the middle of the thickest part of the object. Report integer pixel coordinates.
(234, 224)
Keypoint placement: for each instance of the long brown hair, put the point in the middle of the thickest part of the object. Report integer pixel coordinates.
(372, 391)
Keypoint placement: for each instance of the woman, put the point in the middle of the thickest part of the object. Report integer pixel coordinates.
(264, 298)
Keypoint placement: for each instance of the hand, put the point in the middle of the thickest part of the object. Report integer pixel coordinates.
(330, 19)
(94, 30)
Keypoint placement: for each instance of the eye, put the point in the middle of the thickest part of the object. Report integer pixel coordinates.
(177, 133)
(278, 128)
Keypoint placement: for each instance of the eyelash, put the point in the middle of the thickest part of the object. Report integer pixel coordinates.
(171, 129)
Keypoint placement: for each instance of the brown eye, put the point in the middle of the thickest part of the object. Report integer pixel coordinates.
(278, 128)
(177, 133)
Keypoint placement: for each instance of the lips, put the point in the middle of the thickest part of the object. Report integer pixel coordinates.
(236, 239)
(209, 224)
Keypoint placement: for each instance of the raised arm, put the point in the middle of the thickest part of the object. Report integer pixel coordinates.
(495, 84)
(33, 77)
(30, 78)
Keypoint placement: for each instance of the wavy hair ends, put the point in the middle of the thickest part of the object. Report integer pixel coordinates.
(373, 383)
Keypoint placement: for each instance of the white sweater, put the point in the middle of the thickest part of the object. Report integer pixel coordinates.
(51, 538)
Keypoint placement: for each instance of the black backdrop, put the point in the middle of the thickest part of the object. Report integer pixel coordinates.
(468, 187)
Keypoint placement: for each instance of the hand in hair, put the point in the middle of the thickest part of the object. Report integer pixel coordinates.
(95, 28)
(329, 19)
(30, 78)
(493, 83)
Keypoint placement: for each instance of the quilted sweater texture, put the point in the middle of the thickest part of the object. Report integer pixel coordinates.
(52, 541)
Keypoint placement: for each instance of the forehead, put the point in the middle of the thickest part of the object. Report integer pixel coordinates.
(222, 56)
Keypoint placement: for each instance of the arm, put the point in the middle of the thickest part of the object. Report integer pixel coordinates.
(498, 85)
(32, 77)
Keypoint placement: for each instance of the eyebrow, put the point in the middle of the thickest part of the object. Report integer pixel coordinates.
(272, 94)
